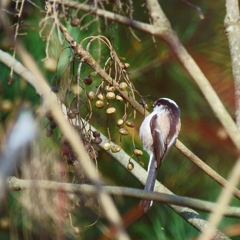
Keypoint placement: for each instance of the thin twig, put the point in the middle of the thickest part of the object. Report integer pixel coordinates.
(198, 9)
(109, 15)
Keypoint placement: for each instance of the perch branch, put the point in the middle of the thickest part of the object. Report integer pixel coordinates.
(203, 166)
(15, 184)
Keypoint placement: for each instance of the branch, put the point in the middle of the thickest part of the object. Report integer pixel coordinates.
(203, 166)
(232, 28)
(87, 57)
(109, 15)
(223, 201)
(198, 9)
(15, 184)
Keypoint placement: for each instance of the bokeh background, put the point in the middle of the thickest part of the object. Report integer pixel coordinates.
(155, 72)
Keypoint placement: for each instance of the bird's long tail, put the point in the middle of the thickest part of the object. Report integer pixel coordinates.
(150, 183)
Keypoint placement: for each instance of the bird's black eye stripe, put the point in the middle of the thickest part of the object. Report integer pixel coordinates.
(167, 104)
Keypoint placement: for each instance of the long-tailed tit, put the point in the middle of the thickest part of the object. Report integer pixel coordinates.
(158, 133)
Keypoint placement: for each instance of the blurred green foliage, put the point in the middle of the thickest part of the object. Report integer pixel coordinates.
(155, 72)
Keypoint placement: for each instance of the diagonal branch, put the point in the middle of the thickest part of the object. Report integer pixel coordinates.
(87, 57)
(222, 203)
(109, 15)
(203, 166)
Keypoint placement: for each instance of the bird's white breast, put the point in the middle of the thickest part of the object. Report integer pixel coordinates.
(145, 133)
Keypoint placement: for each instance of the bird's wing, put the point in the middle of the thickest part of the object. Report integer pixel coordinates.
(159, 145)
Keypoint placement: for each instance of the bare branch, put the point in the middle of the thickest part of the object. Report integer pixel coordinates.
(109, 15)
(198, 9)
(223, 201)
(232, 28)
(87, 57)
(15, 184)
(209, 171)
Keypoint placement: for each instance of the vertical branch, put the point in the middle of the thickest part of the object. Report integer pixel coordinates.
(231, 23)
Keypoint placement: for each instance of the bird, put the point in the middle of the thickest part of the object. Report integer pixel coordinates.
(158, 133)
